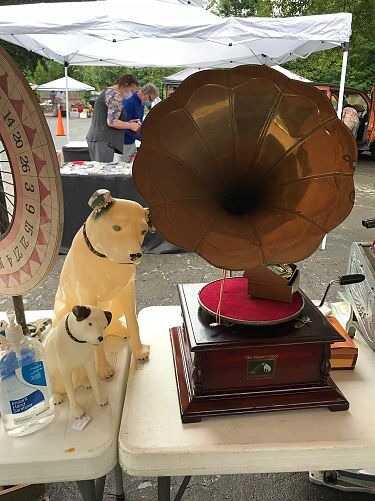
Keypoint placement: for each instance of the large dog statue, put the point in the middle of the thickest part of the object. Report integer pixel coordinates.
(100, 269)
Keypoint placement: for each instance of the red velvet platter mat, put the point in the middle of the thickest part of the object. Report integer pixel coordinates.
(238, 307)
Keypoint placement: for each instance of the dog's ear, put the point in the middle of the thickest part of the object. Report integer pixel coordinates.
(100, 201)
(108, 316)
(81, 312)
(151, 228)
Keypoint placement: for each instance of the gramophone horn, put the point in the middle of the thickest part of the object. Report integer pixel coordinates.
(246, 167)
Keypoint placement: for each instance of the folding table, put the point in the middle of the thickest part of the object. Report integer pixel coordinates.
(154, 442)
(58, 453)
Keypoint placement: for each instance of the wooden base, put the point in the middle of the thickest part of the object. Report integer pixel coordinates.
(194, 407)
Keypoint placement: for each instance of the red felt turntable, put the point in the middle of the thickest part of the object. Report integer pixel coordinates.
(229, 300)
(255, 170)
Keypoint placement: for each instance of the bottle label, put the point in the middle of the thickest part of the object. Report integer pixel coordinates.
(24, 388)
(25, 403)
(34, 374)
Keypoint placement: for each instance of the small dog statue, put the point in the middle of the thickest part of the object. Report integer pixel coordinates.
(70, 345)
(100, 269)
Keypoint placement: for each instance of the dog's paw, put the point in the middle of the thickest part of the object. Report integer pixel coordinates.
(101, 399)
(78, 412)
(58, 398)
(106, 372)
(103, 402)
(144, 353)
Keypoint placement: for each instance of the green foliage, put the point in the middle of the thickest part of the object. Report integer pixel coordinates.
(244, 8)
(102, 76)
(324, 66)
(45, 71)
(25, 59)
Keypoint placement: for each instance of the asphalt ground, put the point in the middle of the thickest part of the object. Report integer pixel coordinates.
(157, 278)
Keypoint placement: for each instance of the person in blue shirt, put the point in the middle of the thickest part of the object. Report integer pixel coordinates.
(134, 110)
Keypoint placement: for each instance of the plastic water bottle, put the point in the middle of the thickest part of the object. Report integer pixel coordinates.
(25, 399)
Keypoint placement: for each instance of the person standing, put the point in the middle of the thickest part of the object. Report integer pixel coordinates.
(106, 133)
(134, 108)
(350, 118)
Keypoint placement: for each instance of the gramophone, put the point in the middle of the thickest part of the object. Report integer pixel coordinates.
(250, 170)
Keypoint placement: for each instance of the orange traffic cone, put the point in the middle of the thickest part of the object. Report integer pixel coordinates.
(60, 125)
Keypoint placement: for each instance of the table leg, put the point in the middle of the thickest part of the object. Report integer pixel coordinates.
(182, 489)
(164, 488)
(99, 488)
(119, 486)
(87, 489)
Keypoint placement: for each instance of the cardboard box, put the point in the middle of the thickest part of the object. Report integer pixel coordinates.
(343, 354)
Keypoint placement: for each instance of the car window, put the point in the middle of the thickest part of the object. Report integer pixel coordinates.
(358, 101)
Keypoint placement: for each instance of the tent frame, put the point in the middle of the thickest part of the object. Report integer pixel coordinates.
(66, 66)
(344, 65)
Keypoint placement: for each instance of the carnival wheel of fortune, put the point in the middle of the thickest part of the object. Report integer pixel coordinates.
(31, 203)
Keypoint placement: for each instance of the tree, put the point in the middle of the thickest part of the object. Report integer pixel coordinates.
(45, 71)
(25, 59)
(326, 65)
(243, 8)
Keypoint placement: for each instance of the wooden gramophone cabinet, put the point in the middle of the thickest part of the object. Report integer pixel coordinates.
(240, 369)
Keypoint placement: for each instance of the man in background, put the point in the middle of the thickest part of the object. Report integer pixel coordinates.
(134, 110)
(350, 118)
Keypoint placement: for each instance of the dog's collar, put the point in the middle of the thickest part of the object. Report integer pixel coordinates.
(70, 334)
(91, 247)
(89, 244)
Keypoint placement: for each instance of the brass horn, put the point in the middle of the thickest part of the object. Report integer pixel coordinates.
(246, 167)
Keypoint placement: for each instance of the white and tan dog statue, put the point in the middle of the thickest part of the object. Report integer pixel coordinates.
(70, 345)
(100, 269)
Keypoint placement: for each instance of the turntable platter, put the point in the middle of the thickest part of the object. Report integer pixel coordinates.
(237, 306)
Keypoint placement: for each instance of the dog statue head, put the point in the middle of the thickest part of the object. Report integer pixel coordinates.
(87, 323)
(116, 227)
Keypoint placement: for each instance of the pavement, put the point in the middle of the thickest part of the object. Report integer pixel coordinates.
(157, 278)
(78, 130)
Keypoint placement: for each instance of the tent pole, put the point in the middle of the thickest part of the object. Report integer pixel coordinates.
(345, 55)
(340, 103)
(67, 102)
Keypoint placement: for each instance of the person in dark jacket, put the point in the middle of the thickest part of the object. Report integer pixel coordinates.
(134, 108)
(106, 133)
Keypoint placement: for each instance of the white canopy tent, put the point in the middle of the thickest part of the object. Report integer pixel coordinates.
(164, 32)
(109, 19)
(167, 33)
(65, 84)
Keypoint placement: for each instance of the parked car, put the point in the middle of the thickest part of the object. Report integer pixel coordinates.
(365, 106)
